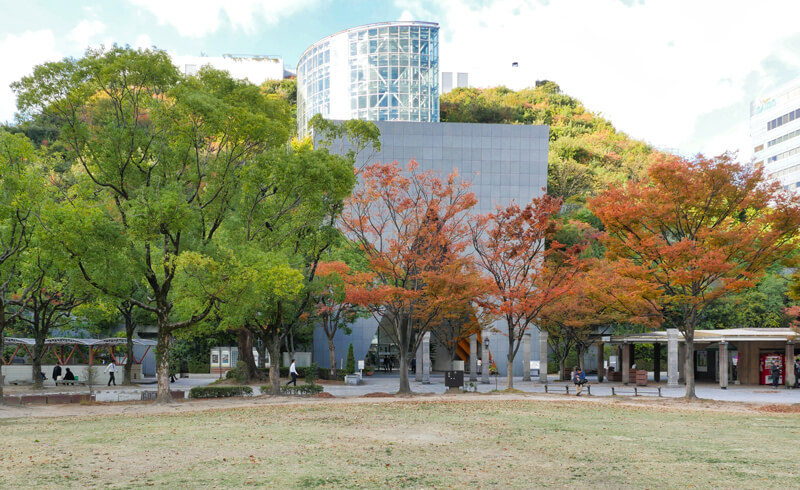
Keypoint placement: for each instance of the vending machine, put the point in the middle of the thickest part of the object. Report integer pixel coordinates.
(767, 360)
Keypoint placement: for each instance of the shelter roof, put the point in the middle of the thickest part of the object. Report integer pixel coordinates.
(71, 341)
(724, 335)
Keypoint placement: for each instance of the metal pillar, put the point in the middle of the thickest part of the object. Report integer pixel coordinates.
(473, 357)
(543, 350)
(723, 365)
(526, 356)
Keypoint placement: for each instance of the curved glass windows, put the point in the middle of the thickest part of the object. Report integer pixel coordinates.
(379, 72)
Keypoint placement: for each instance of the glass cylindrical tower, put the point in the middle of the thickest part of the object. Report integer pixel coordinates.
(377, 72)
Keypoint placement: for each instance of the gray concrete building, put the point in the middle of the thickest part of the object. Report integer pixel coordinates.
(388, 73)
(504, 163)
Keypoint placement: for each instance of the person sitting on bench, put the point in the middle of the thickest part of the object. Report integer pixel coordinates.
(68, 376)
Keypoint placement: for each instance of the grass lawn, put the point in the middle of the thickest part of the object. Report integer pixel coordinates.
(419, 443)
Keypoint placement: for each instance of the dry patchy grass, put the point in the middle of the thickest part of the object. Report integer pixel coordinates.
(417, 443)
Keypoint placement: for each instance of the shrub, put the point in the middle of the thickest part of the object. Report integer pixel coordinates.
(302, 390)
(350, 365)
(238, 373)
(326, 374)
(284, 372)
(196, 366)
(311, 373)
(219, 391)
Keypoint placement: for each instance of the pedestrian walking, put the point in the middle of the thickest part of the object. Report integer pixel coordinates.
(111, 369)
(776, 374)
(293, 374)
(797, 373)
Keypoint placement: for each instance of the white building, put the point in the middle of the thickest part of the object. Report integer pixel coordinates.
(256, 69)
(775, 133)
(451, 80)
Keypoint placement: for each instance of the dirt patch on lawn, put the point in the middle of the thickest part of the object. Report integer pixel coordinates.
(324, 394)
(378, 394)
(780, 408)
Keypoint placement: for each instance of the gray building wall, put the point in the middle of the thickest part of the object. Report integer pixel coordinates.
(504, 162)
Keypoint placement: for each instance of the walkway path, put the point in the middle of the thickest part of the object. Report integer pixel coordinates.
(388, 383)
(754, 394)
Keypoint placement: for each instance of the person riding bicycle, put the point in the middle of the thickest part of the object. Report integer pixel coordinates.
(579, 378)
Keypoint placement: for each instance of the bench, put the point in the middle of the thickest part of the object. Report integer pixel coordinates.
(70, 382)
(636, 391)
(547, 388)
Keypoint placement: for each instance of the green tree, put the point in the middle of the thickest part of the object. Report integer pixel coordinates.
(165, 152)
(20, 194)
(50, 304)
(350, 365)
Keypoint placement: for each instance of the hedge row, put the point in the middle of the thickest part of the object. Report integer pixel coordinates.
(219, 391)
(326, 374)
(302, 390)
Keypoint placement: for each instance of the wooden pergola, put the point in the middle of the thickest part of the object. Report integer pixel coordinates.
(64, 348)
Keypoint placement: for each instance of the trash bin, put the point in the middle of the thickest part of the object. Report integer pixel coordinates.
(454, 379)
(641, 377)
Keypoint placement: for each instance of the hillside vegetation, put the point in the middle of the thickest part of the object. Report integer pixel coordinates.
(586, 152)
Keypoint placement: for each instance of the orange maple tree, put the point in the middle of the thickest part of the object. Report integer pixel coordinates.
(600, 296)
(525, 267)
(412, 227)
(697, 230)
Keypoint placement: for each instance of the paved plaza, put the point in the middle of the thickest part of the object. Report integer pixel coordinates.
(734, 393)
(388, 383)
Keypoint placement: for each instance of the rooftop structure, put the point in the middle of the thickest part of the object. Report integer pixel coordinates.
(378, 72)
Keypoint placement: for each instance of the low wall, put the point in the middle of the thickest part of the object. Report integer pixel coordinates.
(303, 359)
(23, 373)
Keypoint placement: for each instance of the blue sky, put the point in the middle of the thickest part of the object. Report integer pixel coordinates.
(676, 73)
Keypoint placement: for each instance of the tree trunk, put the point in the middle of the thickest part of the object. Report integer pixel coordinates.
(405, 387)
(245, 343)
(688, 364)
(275, 365)
(580, 356)
(162, 363)
(561, 362)
(332, 349)
(404, 328)
(38, 353)
(129, 329)
(2, 347)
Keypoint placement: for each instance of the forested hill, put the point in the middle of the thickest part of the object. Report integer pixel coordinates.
(586, 152)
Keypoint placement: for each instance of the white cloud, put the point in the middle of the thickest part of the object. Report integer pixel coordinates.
(652, 69)
(143, 41)
(406, 16)
(18, 56)
(195, 18)
(83, 33)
